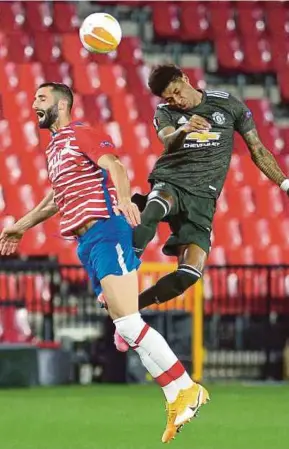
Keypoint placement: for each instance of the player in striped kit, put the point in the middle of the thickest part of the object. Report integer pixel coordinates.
(91, 192)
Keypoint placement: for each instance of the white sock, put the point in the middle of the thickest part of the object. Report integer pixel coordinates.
(169, 387)
(138, 334)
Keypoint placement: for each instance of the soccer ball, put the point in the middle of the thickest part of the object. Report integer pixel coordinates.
(100, 33)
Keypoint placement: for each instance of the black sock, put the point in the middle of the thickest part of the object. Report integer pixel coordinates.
(155, 210)
(169, 286)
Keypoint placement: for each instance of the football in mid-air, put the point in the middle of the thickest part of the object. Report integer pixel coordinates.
(100, 33)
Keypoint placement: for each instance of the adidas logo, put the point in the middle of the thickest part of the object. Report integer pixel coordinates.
(182, 120)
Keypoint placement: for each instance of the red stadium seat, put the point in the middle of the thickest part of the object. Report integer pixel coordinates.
(222, 206)
(78, 108)
(30, 77)
(5, 136)
(283, 83)
(58, 72)
(86, 79)
(97, 108)
(256, 232)
(277, 18)
(9, 77)
(112, 78)
(241, 202)
(47, 47)
(217, 256)
(243, 255)
(12, 16)
(11, 167)
(261, 110)
(279, 53)
(194, 22)
(252, 175)
(130, 51)
(137, 78)
(222, 19)
(269, 202)
(235, 176)
(34, 171)
(227, 233)
(258, 56)
(20, 47)
(165, 18)
(270, 255)
(229, 53)
(72, 49)
(279, 232)
(35, 242)
(250, 19)
(2, 201)
(38, 16)
(124, 107)
(17, 106)
(65, 17)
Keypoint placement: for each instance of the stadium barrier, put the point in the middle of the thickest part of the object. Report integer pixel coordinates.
(233, 324)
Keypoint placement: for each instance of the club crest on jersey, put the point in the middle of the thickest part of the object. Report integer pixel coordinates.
(219, 118)
(203, 137)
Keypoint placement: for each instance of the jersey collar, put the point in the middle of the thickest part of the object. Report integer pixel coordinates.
(74, 123)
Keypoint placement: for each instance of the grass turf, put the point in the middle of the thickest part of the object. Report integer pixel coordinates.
(132, 417)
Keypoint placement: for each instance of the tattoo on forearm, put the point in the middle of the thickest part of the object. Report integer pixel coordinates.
(263, 158)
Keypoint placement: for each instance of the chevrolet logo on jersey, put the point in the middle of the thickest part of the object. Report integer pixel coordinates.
(203, 137)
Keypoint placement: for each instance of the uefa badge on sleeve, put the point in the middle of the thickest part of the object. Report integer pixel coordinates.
(107, 144)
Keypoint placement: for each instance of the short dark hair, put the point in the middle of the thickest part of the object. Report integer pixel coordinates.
(63, 90)
(161, 76)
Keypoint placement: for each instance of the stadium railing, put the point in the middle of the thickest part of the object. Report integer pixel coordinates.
(234, 324)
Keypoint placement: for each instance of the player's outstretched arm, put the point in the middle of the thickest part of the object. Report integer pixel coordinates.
(265, 160)
(11, 236)
(121, 182)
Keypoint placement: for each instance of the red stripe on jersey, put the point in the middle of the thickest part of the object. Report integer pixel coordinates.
(79, 185)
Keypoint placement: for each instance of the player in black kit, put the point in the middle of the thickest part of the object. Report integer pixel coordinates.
(197, 131)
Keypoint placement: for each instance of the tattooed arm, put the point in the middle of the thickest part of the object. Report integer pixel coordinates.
(263, 158)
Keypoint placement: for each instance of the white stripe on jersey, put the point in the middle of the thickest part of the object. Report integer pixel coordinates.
(70, 211)
(92, 186)
(81, 196)
(217, 93)
(78, 224)
(62, 184)
(86, 209)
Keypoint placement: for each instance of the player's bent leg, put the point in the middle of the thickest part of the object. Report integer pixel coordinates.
(154, 352)
(158, 205)
(191, 264)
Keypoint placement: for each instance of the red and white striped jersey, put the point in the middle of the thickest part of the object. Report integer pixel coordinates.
(82, 190)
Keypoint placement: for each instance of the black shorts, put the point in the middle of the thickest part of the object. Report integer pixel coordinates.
(190, 219)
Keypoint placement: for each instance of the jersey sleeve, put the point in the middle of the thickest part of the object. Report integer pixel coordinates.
(93, 143)
(162, 119)
(243, 117)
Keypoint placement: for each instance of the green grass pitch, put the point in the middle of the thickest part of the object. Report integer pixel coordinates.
(133, 417)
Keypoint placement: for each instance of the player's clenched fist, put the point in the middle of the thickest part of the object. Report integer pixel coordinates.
(129, 210)
(196, 123)
(9, 240)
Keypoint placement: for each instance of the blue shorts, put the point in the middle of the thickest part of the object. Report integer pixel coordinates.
(106, 248)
